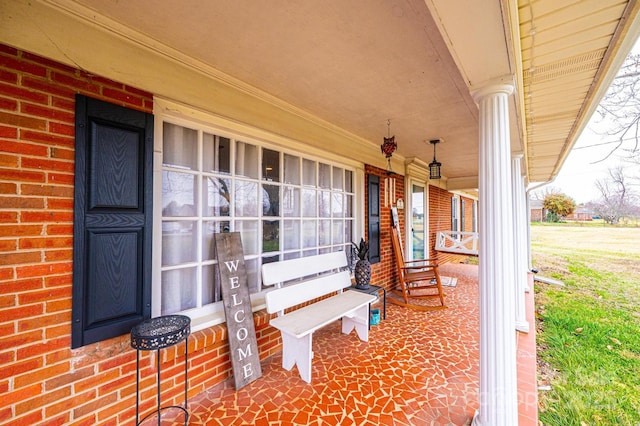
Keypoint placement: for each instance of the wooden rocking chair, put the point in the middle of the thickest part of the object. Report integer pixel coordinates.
(418, 279)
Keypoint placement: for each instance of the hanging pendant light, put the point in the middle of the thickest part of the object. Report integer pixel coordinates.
(434, 166)
(389, 146)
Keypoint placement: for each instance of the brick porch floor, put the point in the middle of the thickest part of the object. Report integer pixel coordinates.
(418, 368)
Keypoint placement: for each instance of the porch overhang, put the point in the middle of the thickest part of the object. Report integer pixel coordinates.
(330, 72)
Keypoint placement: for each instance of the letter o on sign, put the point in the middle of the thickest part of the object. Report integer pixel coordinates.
(242, 333)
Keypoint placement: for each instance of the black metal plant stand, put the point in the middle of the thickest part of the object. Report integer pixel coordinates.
(155, 334)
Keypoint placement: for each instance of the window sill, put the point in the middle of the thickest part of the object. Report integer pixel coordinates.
(215, 318)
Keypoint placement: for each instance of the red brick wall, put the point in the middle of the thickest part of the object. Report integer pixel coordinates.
(384, 272)
(468, 214)
(536, 215)
(440, 220)
(42, 380)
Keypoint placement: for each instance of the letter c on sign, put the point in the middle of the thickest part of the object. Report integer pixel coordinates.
(235, 316)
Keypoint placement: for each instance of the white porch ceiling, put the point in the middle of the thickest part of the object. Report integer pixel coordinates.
(354, 64)
(357, 64)
(570, 49)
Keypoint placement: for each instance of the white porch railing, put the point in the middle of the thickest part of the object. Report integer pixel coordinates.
(457, 242)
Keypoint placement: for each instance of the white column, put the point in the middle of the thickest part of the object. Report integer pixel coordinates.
(498, 384)
(528, 208)
(519, 243)
(527, 235)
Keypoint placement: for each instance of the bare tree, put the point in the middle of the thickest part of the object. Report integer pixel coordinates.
(619, 110)
(617, 198)
(544, 192)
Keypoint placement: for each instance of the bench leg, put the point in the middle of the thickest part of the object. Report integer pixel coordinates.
(358, 320)
(297, 351)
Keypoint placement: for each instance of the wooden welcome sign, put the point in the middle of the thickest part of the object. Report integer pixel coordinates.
(237, 308)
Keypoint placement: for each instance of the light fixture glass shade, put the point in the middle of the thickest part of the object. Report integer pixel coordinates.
(434, 169)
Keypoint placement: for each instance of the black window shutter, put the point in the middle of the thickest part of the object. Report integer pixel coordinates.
(112, 234)
(373, 187)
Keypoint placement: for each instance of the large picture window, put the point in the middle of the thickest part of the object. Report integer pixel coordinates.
(284, 204)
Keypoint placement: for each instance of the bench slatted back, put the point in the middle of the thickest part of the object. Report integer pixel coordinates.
(313, 287)
(282, 298)
(287, 270)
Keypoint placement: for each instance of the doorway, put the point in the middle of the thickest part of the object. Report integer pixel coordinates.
(418, 241)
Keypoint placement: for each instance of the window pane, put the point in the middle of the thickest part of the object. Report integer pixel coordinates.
(210, 285)
(270, 259)
(270, 165)
(246, 160)
(291, 234)
(348, 205)
(291, 169)
(309, 203)
(338, 229)
(352, 258)
(246, 199)
(216, 152)
(348, 231)
(178, 290)
(308, 172)
(253, 277)
(324, 232)
(270, 200)
(338, 178)
(324, 204)
(270, 235)
(309, 234)
(311, 252)
(337, 204)
(178, 193)
(348, 180)
(216, 196)
(324, 176)
(179, 147)
(291, 255)
(249, 234)
(208, 229)
(178, 242)
(290, 201)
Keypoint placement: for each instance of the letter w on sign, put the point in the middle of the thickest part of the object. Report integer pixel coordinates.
(237, 309)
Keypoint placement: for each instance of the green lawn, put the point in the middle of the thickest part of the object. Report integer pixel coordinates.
(589, 331)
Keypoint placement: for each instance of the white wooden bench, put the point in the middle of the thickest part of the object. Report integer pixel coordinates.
(321, 276)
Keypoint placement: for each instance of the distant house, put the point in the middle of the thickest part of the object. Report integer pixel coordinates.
(536, 211)
(581, 214)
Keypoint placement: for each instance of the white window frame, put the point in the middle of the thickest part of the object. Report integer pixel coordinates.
(455, 213)
(409, 217)
(475, 216)
(213, 313)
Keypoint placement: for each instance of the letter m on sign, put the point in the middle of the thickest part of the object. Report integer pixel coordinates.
(237, 309)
